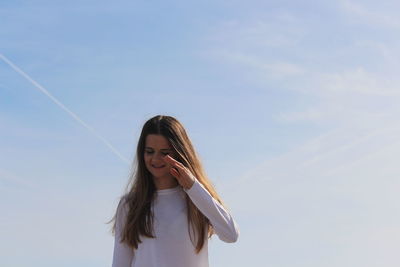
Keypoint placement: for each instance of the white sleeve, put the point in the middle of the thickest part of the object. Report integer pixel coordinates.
(123, 254)
(224, 225)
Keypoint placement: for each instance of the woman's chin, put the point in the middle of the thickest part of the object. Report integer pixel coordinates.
(162, 176)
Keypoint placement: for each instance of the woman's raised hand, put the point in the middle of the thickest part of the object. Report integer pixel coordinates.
(184, 176)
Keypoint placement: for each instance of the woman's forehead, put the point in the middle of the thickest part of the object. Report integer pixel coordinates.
(157, 141)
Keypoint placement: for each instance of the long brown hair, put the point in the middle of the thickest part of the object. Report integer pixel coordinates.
(141, 188)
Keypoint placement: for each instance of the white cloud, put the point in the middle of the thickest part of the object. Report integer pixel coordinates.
(10, 179)
(332, 201)
(358, 94)
(371, 15)
(310, 114)
(282, 29)
(361, 81)
(264, 69)
(63, 107)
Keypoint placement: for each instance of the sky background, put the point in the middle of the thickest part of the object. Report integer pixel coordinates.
(293, 107)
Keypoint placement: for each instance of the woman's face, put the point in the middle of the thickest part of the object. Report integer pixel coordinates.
(156, 147)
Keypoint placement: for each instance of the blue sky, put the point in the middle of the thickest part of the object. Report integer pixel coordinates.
(292, 106)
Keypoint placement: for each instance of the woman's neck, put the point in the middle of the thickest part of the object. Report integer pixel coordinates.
(165, 183)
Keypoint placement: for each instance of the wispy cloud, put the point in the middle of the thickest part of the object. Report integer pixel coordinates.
(336, 192)
(324, 194)
(63, 107)
(262, 68)
(8, 179)
(311, 114)
(361, 81)
(346, 93)
(363, 13)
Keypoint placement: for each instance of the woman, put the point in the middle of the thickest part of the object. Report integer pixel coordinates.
(171, 209)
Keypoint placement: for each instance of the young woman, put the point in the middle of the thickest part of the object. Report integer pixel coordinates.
(171, 210)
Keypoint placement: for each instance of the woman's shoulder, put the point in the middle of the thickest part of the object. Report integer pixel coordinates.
(123, 201)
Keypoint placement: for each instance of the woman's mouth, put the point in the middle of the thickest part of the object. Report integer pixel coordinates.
(158, 167)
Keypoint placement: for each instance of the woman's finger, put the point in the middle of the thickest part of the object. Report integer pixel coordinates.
(173, 161)
(174, 172)
(169, 159)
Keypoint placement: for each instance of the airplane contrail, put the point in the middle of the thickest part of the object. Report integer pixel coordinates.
(58, 103)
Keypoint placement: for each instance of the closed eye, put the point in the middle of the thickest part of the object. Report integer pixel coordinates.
(151, 152)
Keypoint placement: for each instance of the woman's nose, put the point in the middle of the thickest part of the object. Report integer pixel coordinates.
(158, 156)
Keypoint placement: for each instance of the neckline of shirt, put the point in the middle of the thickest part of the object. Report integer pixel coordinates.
(169, 190)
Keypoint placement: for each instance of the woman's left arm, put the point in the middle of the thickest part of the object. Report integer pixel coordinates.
(222, 221)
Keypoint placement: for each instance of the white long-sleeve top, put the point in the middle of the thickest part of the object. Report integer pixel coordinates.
(172, 246)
